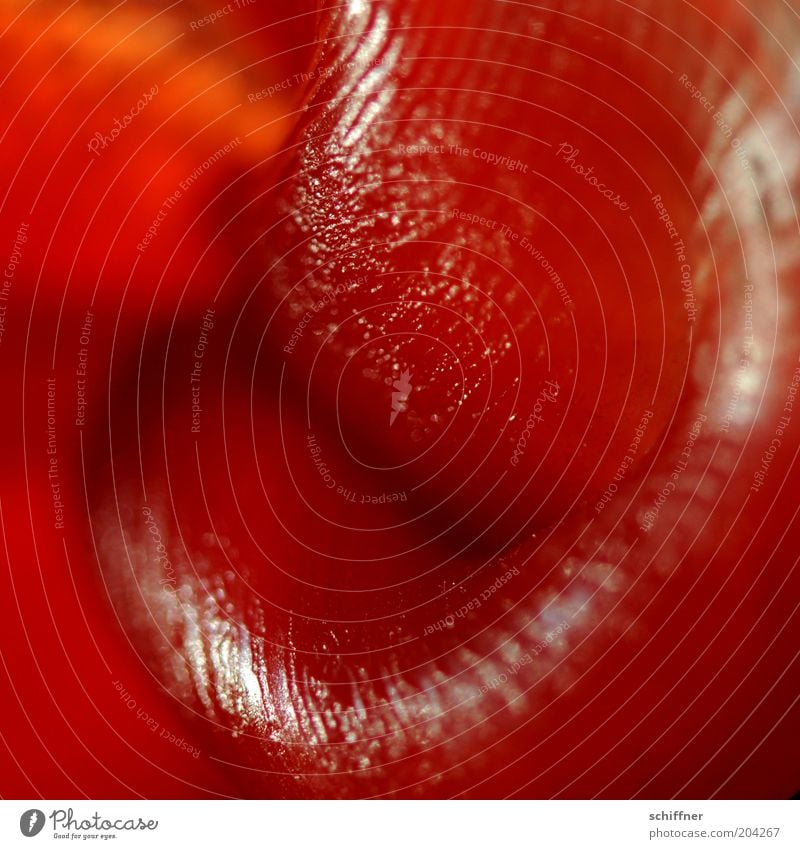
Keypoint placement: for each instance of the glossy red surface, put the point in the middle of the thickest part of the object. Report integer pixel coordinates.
(553, 559)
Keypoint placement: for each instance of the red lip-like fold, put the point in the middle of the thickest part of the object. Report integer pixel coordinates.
(475, 477)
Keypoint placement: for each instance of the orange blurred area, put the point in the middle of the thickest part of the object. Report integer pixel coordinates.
(112, 117)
